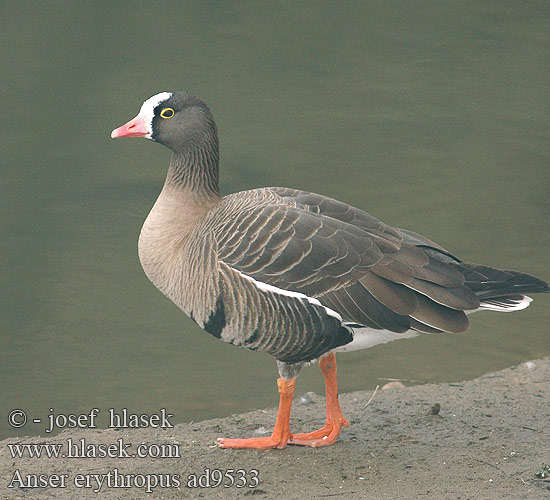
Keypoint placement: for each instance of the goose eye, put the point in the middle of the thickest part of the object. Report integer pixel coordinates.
(167, 113)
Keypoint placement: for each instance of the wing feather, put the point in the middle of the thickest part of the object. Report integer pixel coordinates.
(440, 317)
(370, 273)
(399, 299)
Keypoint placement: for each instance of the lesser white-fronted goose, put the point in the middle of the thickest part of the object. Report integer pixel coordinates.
(292, 273)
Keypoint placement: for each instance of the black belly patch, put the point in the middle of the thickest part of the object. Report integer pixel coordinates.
(252, 338)
(216, 321)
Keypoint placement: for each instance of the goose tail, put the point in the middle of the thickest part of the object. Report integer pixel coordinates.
(501, 290)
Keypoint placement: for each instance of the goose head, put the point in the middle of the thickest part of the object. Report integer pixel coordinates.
(176, 120)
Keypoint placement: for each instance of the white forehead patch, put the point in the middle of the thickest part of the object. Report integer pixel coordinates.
(147, 110)
(150, 104)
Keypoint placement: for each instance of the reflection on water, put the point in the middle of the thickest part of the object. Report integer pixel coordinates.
(435, 120)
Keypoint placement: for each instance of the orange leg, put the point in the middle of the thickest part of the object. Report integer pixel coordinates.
(281, 433)
(335, 420)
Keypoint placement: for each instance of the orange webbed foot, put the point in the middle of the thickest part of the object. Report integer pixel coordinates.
(323, 437)
(281, 433)
(260, 443)
(335, 420)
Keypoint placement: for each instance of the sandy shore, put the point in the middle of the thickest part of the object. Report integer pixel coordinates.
(489, 440)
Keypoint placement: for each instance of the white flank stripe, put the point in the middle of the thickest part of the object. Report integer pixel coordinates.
(270, 288)
(147, 110)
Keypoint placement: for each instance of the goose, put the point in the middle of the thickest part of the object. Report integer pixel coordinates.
(295, 274)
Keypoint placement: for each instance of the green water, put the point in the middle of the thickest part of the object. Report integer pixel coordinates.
(432, 116)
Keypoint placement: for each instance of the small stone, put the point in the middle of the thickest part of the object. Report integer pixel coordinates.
(543, 472)
(307, 398)
(435, 409)
(393, 385)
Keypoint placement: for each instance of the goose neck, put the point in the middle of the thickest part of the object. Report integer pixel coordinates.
(196, 171)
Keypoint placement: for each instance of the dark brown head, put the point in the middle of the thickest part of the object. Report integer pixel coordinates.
(177, 120)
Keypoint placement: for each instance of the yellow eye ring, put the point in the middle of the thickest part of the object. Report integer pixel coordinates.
(167, 113)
